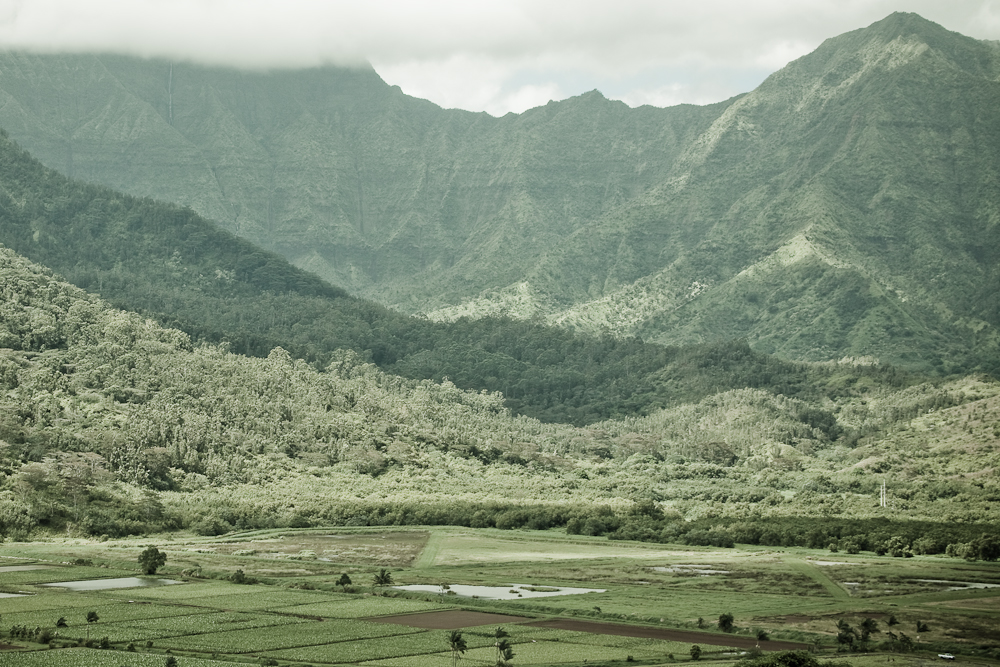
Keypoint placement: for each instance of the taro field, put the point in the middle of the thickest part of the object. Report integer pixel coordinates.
(297, 606)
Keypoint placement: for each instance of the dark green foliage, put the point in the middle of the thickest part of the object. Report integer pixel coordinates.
(868, 627)
(726, 622)
(382, 578)
(783, 659)
(166, 262)
(815, 533)
(457, 644)
(92, 617)
(151, 559)
(986, 547)
(504, 649)
(240, 577)
(695, 652)
(901, 642)
(846, 636)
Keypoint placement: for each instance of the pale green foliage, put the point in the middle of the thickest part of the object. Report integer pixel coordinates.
(132, 417)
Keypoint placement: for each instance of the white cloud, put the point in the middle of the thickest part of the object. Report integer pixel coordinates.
(493, 55)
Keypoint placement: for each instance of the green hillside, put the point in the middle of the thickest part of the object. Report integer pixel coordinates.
(846, 207)
(169, 264)
(111, 424)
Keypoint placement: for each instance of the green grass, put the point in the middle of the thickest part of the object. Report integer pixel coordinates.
(417, 643)
(287, 636)
(359, 608)
(76, 617)
(243, 622)
(175, 592)
(85, 657)
(552, 653)
(157, 629)
(60, 574)
(260, 597)
(54, 600)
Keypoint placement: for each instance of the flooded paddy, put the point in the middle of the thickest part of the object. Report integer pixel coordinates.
(109, 584)
(508, 592)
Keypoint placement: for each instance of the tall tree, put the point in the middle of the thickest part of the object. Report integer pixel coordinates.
(382, 578)
(504, 651)
(152, 559)
(458, 646)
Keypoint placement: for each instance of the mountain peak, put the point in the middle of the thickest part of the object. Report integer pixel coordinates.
(902, 23)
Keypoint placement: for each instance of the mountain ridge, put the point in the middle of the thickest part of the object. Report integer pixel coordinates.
(878, 150)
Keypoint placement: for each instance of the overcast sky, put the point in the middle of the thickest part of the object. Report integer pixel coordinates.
(489, 55)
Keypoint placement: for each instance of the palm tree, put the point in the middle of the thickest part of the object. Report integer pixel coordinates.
(382, 578)
(457, 645)
(505, 652)
(869, 626)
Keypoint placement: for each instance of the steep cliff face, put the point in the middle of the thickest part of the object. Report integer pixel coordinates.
(387, 195)
(848, 206)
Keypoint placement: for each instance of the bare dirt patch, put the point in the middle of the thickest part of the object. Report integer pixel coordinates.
(447, 620)
(685, 636)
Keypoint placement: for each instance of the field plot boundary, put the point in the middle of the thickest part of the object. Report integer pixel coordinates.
(451, 619)
(686, 636)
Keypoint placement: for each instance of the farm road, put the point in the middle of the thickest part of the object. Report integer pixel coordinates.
(819, 576)
(428, 555)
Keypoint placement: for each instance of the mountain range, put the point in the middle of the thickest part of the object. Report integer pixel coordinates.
(847, 207)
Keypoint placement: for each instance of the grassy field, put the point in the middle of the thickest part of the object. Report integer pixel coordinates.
(298, 615)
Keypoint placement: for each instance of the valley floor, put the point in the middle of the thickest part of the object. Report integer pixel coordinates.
(655, 601)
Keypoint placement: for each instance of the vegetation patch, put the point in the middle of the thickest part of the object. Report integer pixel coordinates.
(449, 620)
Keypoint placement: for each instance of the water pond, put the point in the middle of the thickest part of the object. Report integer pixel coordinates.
(688, 569)
(108, 584)
(508, 592)
(958, 585)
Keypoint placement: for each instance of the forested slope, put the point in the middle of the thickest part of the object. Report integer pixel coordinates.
(112, 424)
(168, 263)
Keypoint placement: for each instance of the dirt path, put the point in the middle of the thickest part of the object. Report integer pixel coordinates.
(816, 573)
(685, 636)
(428, 555)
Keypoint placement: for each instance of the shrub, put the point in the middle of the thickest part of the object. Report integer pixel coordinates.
(152, 559)
(726, 622)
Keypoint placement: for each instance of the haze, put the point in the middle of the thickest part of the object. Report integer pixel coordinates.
(485, 56)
